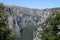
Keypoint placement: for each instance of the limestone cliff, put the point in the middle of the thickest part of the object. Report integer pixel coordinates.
(21, 17)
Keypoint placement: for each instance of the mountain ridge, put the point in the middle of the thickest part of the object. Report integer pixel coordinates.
(21, 17)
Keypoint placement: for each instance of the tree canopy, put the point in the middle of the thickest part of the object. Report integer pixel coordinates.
(5, 33)
(50, 33)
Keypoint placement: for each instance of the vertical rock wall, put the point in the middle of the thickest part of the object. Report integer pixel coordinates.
(21, 17)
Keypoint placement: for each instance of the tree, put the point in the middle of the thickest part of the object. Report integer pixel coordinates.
(5, 33)
(50, 33)
(54, 22)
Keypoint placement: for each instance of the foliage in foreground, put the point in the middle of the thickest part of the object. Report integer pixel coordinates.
(5, 33)
(50, 33)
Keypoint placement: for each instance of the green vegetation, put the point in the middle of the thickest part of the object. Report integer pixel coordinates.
(50, 32)
(5, 33)
(55, 19)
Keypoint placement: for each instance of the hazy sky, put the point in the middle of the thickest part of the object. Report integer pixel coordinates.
(33, 3)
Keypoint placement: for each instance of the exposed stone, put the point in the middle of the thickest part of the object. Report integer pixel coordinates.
(21, 17)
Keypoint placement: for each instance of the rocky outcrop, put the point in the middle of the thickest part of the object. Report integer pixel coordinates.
(21, 17)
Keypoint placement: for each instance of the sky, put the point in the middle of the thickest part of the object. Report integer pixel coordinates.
(33, 3)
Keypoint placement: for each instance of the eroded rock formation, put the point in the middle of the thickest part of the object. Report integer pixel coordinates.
(21, 17)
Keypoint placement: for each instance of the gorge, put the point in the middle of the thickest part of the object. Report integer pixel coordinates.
(27, 22)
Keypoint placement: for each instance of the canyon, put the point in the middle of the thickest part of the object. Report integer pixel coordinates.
(29, 23)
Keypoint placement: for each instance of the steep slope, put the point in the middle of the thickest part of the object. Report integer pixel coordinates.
(21, 17)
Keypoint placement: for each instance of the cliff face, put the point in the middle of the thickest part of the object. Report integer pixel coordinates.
(21, 17)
